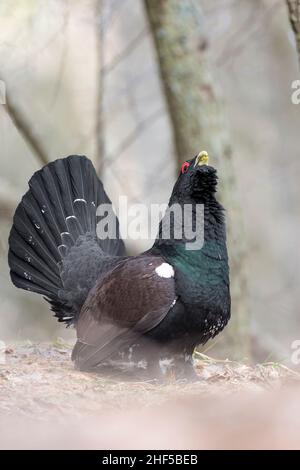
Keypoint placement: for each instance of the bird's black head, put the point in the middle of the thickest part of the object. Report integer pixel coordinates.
(197, 181)
(202, 216)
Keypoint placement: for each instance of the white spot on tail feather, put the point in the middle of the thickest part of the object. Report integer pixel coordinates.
(165, 270)
(70, 217)
(82, 200)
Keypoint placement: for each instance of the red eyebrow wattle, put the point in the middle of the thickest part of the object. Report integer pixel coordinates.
(184, 167)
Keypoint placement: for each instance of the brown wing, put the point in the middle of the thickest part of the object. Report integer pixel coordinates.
(130, 300)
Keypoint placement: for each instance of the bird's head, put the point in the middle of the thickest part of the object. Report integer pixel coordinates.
(194, 189)
(197, 180)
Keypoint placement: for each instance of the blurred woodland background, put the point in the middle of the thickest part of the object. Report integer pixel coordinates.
(138, 87)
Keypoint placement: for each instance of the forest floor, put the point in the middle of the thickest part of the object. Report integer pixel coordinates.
(45, 402)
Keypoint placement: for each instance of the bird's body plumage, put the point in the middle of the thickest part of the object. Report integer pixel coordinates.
(147, 312)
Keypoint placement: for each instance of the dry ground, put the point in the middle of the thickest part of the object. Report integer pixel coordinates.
(45, 403)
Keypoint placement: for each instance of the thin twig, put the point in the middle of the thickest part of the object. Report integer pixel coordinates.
(8, 199)
(26, 129)
(236, 47)
(62, 60)
(294, 15)
(134, 135)
(131, 46)
(100, 142)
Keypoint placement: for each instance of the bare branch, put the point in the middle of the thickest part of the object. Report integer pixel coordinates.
(62, 59)
(26, 129)
(131, 46)
(134, 135)
(240, 39)
(294, 15)
(100, 142)
(8, 199)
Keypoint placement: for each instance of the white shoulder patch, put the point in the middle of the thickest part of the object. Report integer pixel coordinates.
(165, 270)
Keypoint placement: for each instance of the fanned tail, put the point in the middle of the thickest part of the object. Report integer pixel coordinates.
(53, 246)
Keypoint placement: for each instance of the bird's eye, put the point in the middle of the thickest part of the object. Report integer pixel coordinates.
(184, 167)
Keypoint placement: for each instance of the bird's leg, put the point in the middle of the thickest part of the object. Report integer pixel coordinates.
(150, 361)
(184, 367)
(163, 363)
(170, 366)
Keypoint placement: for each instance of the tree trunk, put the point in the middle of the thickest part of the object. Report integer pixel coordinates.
(196, 113)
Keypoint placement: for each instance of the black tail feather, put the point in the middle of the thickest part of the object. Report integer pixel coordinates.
(31, 257)
(55, 215)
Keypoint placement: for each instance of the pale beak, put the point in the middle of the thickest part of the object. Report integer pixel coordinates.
(202, 158)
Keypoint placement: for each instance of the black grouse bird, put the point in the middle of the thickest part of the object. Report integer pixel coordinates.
(145, 313)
